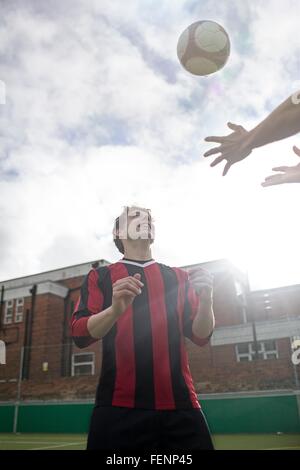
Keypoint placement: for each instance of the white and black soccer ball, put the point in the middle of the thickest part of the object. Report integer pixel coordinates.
(203, 48)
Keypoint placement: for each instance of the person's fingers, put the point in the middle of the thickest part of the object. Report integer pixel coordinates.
(133, 279)
(271, 177)
(137, 280)
(128, 286)
(203, 277)
(226, 168)
(132, 290)
(132, 282)
(125, 292)
(266, 184)
(296, 150)
(212, 151)
(202, 284)
(217, 160)
(213, 138)
(281, 168)
(137, 276)
(198, 270)
(273, 180)
(235, 127)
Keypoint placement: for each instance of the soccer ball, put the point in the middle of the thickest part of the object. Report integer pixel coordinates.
(203, 48)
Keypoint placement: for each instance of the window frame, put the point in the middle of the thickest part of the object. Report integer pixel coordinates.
(267, 353)
(86, 363)
(19, 314)
(243, 355)
(8, 306)
(262, 352)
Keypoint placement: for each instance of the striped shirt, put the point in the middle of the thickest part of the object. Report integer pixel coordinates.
(144, 362)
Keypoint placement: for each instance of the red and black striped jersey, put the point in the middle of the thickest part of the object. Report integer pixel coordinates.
(144, 359)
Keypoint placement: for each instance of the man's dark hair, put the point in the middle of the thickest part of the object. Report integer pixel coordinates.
(117, 240)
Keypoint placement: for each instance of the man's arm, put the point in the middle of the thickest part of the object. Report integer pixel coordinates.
(100, 323)
(89, 322)
(204, 321)
(283, 122)
(124, 292)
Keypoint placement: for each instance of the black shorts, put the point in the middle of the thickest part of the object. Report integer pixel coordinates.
(114, 428)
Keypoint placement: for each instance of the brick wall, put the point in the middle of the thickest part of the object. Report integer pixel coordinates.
(214, 369)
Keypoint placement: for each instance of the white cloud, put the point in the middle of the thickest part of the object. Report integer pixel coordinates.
(100, 114)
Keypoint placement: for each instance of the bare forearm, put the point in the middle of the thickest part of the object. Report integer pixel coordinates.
(283, 122)
(100, 323)
(204, 322)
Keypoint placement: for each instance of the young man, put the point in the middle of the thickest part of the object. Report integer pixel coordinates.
(143, 310)
(283, 122)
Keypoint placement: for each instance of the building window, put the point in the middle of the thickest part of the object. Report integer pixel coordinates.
(83, 364)
(268, 350)
(245, 352)
(19, 310)
(8, 313)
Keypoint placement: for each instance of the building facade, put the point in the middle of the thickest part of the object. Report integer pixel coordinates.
(250, 350)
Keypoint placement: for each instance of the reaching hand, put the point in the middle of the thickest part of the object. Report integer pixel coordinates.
(233, 148)
(289, 174)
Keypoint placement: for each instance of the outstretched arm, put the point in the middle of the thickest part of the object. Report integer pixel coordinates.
(283, 122)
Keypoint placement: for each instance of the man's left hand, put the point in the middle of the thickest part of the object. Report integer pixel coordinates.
(202, 281)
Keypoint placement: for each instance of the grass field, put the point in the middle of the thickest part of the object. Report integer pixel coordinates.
(78, 441)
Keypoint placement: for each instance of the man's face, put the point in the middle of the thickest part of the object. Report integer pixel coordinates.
(136, 223)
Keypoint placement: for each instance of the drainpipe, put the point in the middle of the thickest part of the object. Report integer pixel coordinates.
(66, 338)
(1, 306)
(28, 333)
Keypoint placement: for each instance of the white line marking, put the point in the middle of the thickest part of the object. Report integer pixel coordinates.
(282, 448)
(66, 444)
(31, 442)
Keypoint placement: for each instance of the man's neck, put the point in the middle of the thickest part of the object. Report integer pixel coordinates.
(138, 252)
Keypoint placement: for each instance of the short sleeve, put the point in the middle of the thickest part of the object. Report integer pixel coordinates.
(90, 301)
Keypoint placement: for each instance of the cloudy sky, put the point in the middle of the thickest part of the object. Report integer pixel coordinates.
(100, 114)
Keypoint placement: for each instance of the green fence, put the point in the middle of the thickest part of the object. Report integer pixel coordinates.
(252, 414)
(6, 418)
(235, 414)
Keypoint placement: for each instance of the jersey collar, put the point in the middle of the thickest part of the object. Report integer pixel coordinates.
(137, 263)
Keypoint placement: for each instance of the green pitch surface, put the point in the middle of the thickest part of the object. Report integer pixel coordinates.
(42, 441)
(78, 441)
(257, 441)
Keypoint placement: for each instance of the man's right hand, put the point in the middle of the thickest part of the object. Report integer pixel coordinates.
(234, 147)
(124, 292)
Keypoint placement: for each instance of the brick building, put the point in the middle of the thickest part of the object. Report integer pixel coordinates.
(250, 348)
